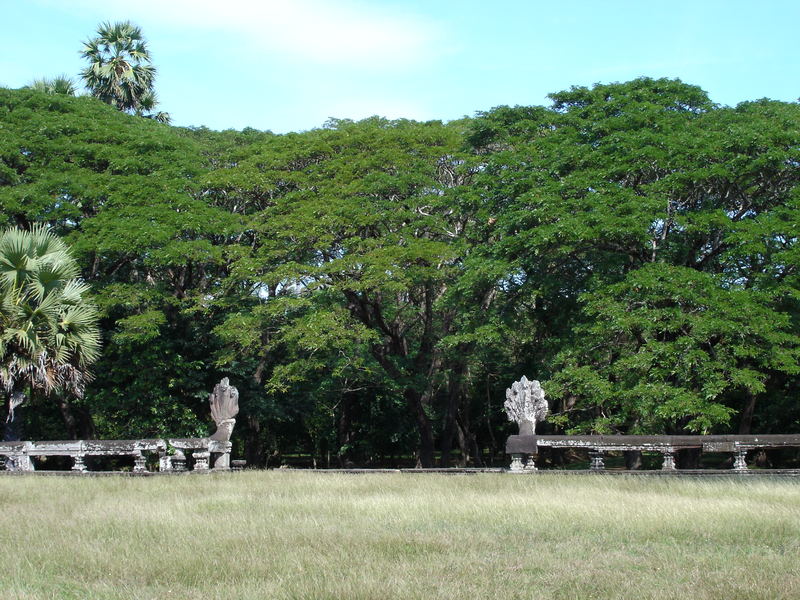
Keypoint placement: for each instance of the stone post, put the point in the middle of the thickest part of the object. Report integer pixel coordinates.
(139, 462)
(530, 464)
(740, 462)
(669, 459)
(220, 455)
(597, 463)
(516, 463)
(78, 464)
(201, 460)
(177, 461)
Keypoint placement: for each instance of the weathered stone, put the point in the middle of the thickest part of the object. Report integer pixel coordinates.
(16, 456)
(139, 462)
(596, 461)
(740, 462)
(201, 460)
(78, 464)
(669, 459)
(517, 465)
(177, 461)
(668, 445)
(530, 464)
(525, 404)
(712, 446)
(224, 401)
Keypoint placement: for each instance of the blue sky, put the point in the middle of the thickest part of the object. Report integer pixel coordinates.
(290, 65)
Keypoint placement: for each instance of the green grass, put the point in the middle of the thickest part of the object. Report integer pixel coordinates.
(310, 535)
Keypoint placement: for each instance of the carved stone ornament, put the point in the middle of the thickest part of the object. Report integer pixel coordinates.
(224, 401)
(525, 404)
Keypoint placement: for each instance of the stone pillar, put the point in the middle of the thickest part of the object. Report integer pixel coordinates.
(201, 460)
(516, 463)
(78, 464)
(177, 462)
(596, 463)
(164, 463)
(530, 464)
(139, 462)
(739, 463)
(20, 462)
(669, 459)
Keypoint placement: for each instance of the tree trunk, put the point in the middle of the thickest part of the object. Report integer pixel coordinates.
(68, 417)
(746, 422)
(426, 446)
(253, 444)
(454, 396)
(344, 432)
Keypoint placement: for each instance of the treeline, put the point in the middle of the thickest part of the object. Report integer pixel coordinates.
(373, 287)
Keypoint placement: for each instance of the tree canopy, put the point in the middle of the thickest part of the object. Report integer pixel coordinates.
(373, 287)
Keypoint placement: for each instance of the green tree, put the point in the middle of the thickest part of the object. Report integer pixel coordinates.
(120, 72)
(48, 331)
(358, 247)
(123, 193)
(642, 201)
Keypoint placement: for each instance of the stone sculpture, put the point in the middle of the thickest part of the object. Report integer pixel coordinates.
(224, 401)
(526, 405)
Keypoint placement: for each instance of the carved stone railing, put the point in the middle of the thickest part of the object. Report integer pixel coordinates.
(213, 452)
(207, 454)
(524, 448)
(21, 453)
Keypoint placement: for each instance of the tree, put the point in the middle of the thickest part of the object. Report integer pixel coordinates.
(653, 232)
(120, 73)
(363, 244)
(124, 194)
(48, 332)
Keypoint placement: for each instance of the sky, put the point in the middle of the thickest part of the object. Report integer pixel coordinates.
(291, 65)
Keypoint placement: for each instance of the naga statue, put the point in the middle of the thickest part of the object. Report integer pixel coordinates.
(525, 404)
(224, 401)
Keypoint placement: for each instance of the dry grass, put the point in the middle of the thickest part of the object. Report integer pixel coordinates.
(311, 535)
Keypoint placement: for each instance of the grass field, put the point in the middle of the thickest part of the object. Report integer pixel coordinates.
(311, 535)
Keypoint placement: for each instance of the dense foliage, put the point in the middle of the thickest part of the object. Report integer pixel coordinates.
(373, 287)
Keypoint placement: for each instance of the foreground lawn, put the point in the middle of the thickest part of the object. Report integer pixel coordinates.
(310, 535)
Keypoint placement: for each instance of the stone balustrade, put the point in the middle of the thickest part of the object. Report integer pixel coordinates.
(524, 448)
(207, 453)
(171, 453)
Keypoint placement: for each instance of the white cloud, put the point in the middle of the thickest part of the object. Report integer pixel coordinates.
(345, 32)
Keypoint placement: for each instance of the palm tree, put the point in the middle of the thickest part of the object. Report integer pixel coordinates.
(120, 73)
(48, 331)
(61, 85)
